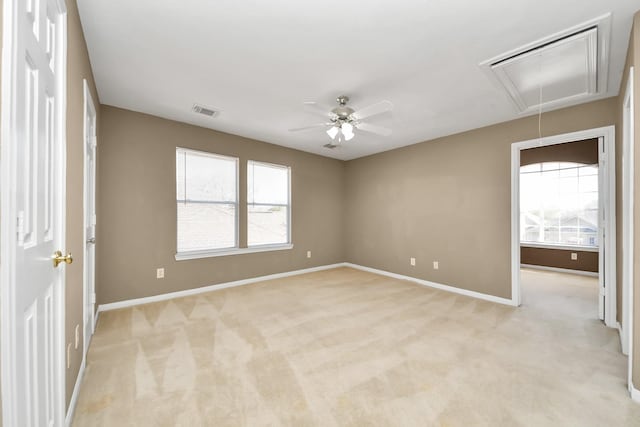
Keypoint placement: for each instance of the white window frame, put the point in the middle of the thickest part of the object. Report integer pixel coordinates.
(276, 246)
(202, 253)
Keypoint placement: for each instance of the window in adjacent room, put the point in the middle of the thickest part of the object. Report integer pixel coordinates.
(268, 204)
(207, 201)
(559, 204)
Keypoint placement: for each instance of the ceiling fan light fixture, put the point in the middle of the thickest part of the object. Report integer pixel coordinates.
(332, 132)
(347, 131)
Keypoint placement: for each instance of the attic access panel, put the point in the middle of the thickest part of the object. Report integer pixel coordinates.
(561, 70)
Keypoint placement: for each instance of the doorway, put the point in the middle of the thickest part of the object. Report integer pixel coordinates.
(606, 217)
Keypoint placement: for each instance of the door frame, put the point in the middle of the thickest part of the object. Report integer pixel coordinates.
(628, 135)
(606, 191)
(8, 225)
(89, 110)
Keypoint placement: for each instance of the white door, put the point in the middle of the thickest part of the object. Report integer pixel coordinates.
(89, 215)
(32, 213)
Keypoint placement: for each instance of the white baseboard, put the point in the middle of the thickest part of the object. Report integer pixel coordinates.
(203, 289)
(442, 287)
(623, 343)
(559, 270)
(195, 291)
(635, 394)
(74, 397)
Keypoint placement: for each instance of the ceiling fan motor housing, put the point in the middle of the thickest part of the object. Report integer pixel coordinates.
(342, 113)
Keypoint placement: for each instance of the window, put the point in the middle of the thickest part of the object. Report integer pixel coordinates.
(268, 204)
(559, 204)
(207, 201)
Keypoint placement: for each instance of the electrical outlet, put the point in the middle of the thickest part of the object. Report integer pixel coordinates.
(68, 355)
(436, 265)
(412, 261)
(308, 254)
(77, 336)
(160, 273)
(574, 256)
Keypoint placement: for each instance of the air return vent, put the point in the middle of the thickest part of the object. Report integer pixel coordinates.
(209, 112)
(564, 69)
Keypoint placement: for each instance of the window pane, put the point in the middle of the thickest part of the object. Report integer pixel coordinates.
(559, 204)
(267, 183)
(206, 187)
(206, 226)
(530, 168)
(210, 178)
(550, 166)
(267, 225)
(588, 183)
(572, 171)
(589, 170)
(180, 181)
(268, 204)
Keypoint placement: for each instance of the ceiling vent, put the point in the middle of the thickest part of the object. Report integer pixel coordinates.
(564, 69)
(209, 112)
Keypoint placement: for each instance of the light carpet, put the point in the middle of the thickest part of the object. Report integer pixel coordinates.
(348, 348)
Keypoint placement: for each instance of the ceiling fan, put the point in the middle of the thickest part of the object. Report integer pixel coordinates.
(343, 120)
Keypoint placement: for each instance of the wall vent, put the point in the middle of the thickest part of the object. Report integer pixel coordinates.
(566, 68)
(209, 112)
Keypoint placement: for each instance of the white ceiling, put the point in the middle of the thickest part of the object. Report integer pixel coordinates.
(258, 61)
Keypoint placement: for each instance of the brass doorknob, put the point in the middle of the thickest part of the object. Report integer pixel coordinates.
(58, 258)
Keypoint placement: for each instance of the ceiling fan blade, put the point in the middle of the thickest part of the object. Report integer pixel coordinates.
(314, 126)
(313, 107)
(378, 130)
(373, 110)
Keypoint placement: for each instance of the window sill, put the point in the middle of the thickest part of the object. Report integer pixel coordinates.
(181, 256)
(561, 247)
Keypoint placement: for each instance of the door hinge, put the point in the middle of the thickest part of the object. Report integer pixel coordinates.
(93, 298)
(93, 219)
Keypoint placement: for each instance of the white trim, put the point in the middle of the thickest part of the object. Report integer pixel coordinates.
(608, 193)
(8, 228)
(559, 270)
(634, 393)
(435, 285)
(74, 397)
(561, 247)
(628, 138)
(181, 256)
(61, 226)
(623, 342)
(209, 288)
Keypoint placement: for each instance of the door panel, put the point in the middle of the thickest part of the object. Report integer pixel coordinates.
(37, 159)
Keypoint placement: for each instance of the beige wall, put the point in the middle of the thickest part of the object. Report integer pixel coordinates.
(448, 200)
(559, 258)
(78, 69)
(137, 207)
